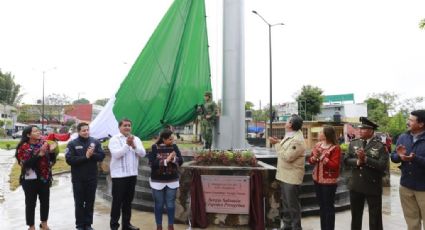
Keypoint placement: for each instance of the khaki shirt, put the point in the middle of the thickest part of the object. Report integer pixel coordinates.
(291, 159)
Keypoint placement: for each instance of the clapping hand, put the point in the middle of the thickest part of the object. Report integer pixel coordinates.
(130, 141)
(361, 156)
(273, 140)
(325, 160)
(52, 146)
(171, 157)
(401, 152)
(90, 150)
(44, 148)
(316, 155)
(409, 157)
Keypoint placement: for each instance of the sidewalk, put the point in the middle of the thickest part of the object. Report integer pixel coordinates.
(12, 211)
(392, 213)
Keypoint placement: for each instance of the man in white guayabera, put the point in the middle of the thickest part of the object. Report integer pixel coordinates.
(125, 152)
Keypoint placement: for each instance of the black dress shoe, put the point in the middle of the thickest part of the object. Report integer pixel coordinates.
(114, 226)
(80, 228)
(89, 228)
(130, 227)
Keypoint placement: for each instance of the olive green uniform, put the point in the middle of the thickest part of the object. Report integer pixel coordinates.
(365, 182)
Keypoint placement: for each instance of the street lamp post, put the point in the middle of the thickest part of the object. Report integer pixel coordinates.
(42, 109)
(271, 73)
(42, 102)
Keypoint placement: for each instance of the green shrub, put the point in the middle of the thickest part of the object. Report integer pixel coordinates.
(344, 147)
(2, 133)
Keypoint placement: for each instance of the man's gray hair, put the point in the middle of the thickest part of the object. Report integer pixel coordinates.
(296, 122)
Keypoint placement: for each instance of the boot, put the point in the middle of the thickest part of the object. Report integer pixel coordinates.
(170, 227)
(159, 227)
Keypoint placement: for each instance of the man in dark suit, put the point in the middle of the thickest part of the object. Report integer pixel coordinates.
(368, 159)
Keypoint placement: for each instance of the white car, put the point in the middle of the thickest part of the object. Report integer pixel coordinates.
(17, 134)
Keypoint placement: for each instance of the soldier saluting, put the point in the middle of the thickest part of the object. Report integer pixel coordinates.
(368, 159)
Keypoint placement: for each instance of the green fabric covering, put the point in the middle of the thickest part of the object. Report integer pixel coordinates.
(170, 75)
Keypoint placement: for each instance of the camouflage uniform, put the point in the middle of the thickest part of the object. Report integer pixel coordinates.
(208, 108)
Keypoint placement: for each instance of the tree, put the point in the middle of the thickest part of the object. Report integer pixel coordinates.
(249, 105)
(377, 111)
(57, 99)
(262, 114)
(70, 122)
(389, 99)
(381, 106)
(9, 90)
(411, 104)
(81, 101)
(310, 101)
(422, 24)
(28, 114)
(397, 124)
(101, 102)
(54, 105)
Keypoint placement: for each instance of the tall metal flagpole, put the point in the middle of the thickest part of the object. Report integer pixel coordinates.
(230, 132)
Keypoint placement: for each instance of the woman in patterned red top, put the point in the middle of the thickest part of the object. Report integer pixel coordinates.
(326, 156)
(165, 160)
(36, 158)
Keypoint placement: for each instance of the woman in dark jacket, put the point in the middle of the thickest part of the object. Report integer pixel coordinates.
(165, 160)
(326, 156)
(36, 158)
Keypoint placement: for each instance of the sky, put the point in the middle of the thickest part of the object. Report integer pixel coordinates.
(86, 48)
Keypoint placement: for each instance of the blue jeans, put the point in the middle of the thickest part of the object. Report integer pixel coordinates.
(165, 196)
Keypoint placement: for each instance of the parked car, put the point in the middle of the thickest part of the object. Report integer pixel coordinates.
(17, 134)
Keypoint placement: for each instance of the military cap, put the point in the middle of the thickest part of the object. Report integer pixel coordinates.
(367, 124)
(208, 93)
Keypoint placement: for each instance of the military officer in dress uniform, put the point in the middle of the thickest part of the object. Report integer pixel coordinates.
(208, 112)
(368, 159)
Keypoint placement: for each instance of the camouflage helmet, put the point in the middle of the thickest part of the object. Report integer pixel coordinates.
(208, 93)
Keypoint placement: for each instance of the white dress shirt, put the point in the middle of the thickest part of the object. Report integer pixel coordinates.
(124, 158)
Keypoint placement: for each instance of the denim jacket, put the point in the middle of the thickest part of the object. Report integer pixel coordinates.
(413, 172)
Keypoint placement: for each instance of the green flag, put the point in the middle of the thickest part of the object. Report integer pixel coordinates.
(167, 80)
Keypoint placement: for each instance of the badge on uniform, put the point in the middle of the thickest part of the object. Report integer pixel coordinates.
(374, 152)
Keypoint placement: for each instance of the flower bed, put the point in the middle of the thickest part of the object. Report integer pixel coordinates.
(227, 158)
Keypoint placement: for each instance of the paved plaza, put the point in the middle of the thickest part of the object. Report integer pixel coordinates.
(12, 209)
